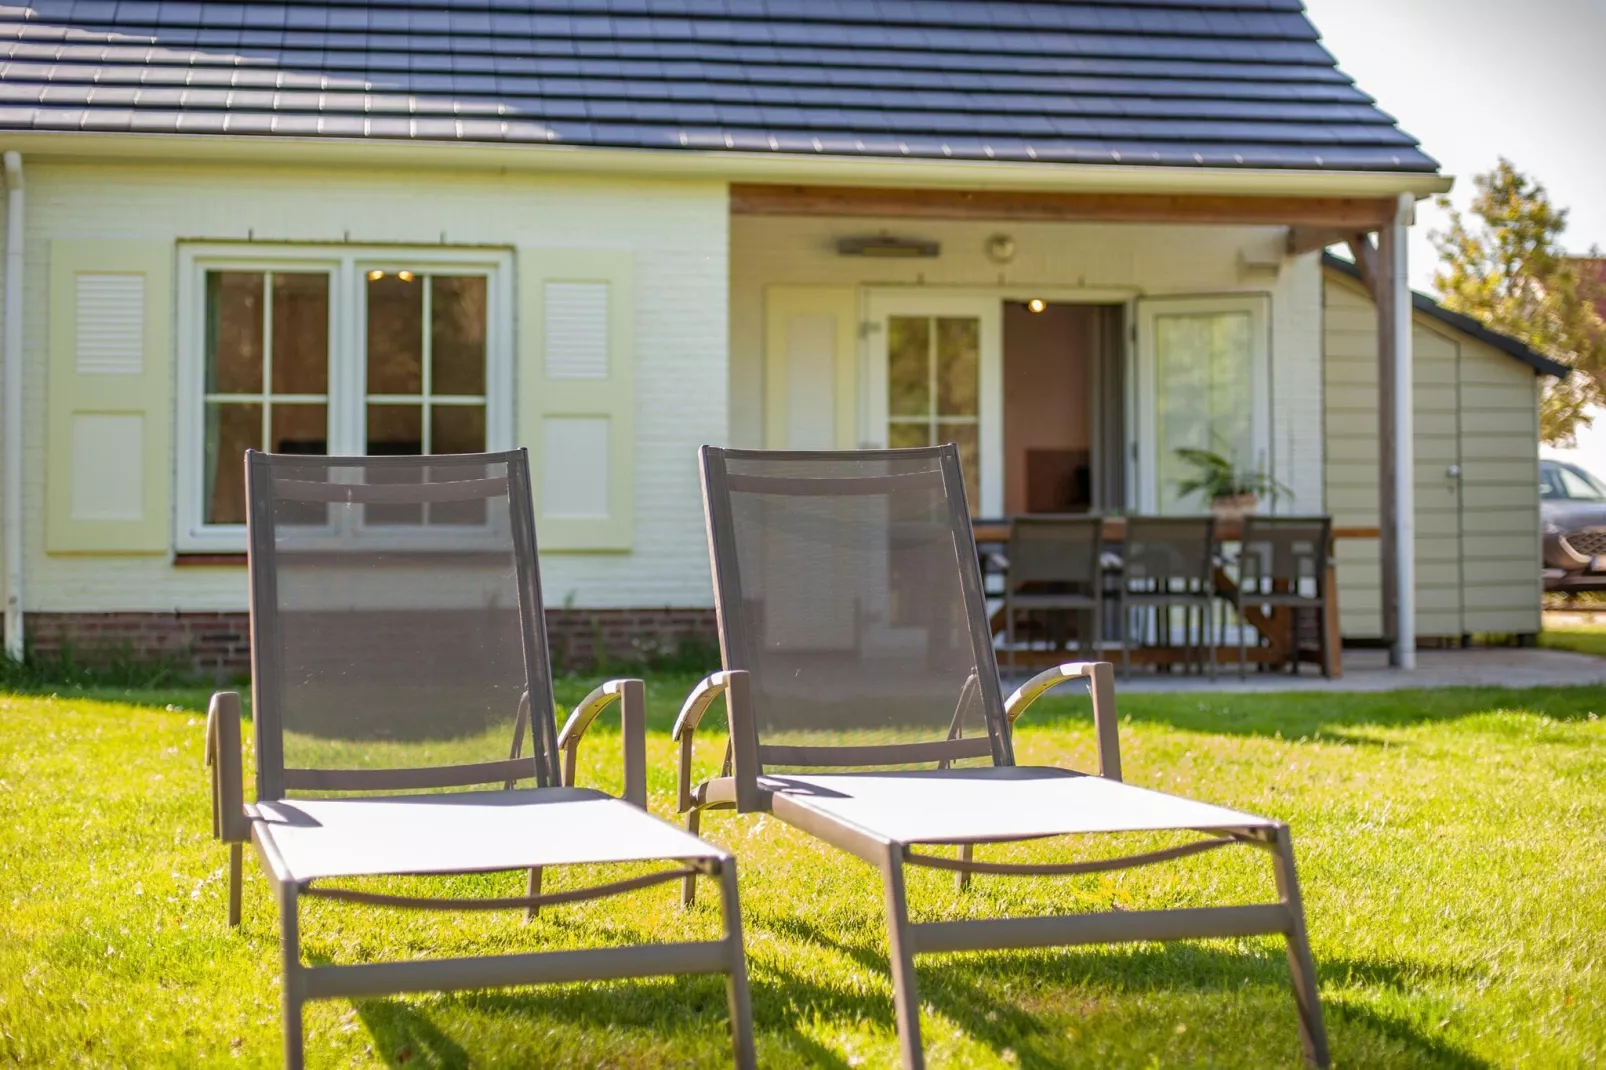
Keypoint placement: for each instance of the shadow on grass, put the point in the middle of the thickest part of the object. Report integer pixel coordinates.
(1319, 715)
(964, 988)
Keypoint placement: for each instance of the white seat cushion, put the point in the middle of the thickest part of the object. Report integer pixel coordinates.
(467, 832)
(995, 804)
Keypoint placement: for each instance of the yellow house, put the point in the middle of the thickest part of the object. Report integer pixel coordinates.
(1069, 237)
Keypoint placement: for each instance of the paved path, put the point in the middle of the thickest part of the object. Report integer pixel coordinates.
(1368, 670)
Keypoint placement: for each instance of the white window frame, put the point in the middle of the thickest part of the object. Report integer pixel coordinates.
(348, 266)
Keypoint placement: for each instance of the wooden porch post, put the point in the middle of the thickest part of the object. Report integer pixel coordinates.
(1396, 488)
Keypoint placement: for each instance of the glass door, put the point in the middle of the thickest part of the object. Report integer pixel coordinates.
(1203, 383)
(934, 375)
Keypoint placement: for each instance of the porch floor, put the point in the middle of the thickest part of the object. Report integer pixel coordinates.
(1368, 670)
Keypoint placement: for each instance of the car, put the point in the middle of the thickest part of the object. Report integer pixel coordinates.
(1572, 514)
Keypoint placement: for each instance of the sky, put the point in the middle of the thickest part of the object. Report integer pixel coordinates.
(1474, 80)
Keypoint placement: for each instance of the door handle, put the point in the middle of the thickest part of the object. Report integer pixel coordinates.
(1452, 478)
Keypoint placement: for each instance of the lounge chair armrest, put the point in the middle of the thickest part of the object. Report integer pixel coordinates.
(631, 695)
(1100, 677)
(733, 684)
(229, 821)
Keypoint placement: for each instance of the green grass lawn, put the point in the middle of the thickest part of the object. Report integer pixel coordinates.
(1579, 638)
(1452, 846)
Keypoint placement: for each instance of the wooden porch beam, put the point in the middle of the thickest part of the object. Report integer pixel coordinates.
(1364, 253)
(1304, 239)
(1346, 215)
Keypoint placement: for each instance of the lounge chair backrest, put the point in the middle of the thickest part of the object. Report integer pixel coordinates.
(396, 624)
(847, 586)
(1056, 554)
(1170, 553)
(1285, 554)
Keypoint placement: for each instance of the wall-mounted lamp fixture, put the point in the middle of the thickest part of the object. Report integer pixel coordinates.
(888, 247)
(1000, 248)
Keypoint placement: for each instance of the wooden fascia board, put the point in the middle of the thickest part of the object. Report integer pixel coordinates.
(1346, 215)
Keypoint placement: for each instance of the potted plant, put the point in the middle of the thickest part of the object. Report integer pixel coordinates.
(1230, 490)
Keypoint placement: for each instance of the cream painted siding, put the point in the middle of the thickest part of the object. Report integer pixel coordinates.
(1477, 548)
(1115, 262)
(676, 231)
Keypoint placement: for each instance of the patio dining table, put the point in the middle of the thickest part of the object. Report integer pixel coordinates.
(1277, 625)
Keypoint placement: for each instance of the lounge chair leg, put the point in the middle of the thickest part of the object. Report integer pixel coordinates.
(236, 873)
(688, 885)
(1312, 1031)
(290, 958)
(967, 851)
(532, 890)
(905, 996)
(736, 989)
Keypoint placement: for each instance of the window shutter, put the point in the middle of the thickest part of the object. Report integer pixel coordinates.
(811, 367)
(108, 469)
(577, 394)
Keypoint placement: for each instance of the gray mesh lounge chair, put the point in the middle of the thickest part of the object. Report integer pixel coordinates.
(398, 646)
(854, 635)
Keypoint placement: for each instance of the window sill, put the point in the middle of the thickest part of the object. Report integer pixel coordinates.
(208, 560)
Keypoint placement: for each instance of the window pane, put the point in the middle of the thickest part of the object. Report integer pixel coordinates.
(457, 327)
(230, 430)
(908, 436)
(395, 334)
(908, 365)
(300, 333)
(958, 366)
(395, 430)
(457, 429)
(298, 428)
(1204, 386)
(233, 332)
(966, 437)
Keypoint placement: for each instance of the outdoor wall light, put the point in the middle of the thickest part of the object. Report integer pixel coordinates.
(888, 247)
(1000, 248)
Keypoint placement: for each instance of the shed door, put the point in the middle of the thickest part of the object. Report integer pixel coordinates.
(1438, 436)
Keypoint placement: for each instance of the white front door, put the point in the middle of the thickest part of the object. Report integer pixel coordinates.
(934, 374)
(1203, 382)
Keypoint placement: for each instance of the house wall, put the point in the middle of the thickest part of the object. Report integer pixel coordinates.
(1477, 545)
(676, 231)
(1112, 262)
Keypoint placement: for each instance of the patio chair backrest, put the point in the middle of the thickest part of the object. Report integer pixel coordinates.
(1056, 554)
(396, 624)
(847, 585)
(1285, 554)
(1169, 553)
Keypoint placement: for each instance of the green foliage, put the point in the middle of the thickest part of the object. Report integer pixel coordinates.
(1215, 476)
(1505, 268)
(113, 667)
(1448, 841)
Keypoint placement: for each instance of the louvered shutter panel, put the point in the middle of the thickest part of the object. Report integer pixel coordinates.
(577, 394)
(108, 469)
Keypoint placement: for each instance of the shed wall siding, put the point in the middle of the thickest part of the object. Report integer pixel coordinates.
(677, 231)
(1123, 261)
(1477, 559)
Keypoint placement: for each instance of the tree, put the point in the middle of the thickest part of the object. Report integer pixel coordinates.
(1505, 269)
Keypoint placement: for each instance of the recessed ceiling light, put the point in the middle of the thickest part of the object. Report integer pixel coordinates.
(1036, 304)
(375, 276)
(405, 276)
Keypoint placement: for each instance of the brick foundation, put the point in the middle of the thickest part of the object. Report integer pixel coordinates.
(217, 646)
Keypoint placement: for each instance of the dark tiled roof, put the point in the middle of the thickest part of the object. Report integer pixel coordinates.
(1221, 83)
(1466, 325)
